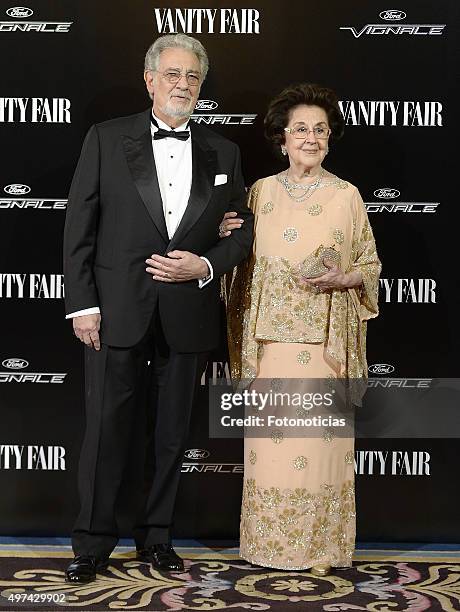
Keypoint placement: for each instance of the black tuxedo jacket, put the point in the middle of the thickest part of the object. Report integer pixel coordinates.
(115, 221)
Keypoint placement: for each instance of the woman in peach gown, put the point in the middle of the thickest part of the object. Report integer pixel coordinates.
(298, 509)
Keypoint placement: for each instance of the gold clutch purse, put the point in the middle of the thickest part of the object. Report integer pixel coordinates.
(313, 265)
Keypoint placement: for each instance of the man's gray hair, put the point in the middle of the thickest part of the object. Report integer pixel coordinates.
(152, 57)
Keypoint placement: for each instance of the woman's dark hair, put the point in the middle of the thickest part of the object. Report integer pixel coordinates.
(277, 116)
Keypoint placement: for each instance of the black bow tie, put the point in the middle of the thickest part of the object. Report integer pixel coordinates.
(161, 133)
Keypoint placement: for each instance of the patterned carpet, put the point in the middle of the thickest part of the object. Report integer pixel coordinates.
(32, 578)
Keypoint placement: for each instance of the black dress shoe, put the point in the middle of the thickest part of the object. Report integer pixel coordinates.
(162, 557)
(84, 568)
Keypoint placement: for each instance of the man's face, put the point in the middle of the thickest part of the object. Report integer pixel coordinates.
(175, 100)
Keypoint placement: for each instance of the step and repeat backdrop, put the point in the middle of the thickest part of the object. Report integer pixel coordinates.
(66, 65)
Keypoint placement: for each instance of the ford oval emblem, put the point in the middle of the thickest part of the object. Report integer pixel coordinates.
(14, 363)
(388, 193)
(17, 189)
(392, 15)
(206, 105)
(196, 453)
(381, 368)
(19, 12)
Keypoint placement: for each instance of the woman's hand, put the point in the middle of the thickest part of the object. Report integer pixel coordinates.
(229, 223)
(334, 279)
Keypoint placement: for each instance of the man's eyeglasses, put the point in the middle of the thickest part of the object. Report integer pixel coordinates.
(301, 132)
(173, 77)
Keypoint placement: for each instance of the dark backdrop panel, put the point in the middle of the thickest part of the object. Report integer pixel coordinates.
(401, 163)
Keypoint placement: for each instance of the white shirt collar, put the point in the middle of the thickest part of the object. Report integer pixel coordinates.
(165, 126)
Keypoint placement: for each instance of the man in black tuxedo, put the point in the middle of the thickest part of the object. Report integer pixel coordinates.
(142, 262)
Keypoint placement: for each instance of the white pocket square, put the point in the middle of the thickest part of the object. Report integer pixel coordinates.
(220, 179)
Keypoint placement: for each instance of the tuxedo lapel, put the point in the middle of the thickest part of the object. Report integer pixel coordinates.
(204, 163)
(139, 155)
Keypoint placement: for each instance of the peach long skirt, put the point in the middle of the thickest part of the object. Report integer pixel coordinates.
(298, 507)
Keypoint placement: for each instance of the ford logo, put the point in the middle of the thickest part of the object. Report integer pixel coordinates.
(206, 105)
(17, 189)
(19, 12)
(381, 368)
(387, 193)
(14, 363)
(392, 15)
(196, 453)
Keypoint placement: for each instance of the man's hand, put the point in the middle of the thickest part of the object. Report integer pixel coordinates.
(177, 267)
(86, 328)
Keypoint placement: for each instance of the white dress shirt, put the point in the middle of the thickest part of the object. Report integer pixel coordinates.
(173, 161)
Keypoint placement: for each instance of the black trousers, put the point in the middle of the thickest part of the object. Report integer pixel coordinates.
(119, 386)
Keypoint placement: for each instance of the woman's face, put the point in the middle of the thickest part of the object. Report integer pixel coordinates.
(310, 151)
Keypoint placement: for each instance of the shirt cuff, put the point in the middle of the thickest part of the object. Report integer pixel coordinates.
(86, 311)
(202, 282)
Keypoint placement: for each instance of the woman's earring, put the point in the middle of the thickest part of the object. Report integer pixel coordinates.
(283, 150)
(326, 151)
